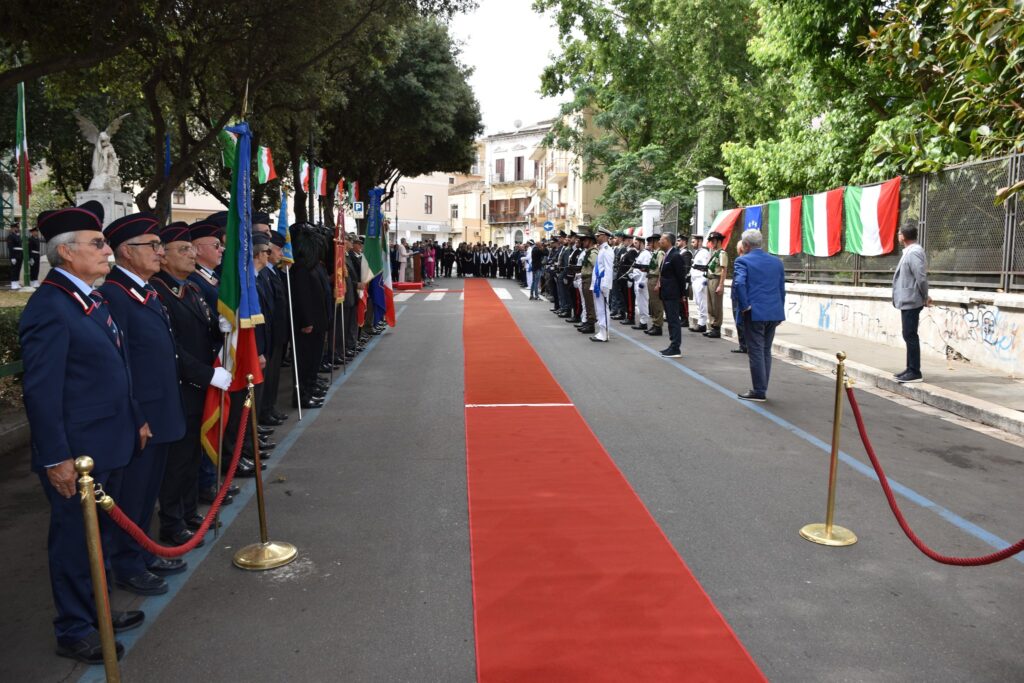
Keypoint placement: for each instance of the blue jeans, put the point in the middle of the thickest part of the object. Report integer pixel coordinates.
(538, 276)
(760, 334)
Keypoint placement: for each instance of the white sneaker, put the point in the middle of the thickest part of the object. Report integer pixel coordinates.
(35, 283)
(15, 286)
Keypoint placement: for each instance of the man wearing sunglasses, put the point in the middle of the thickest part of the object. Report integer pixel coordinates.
(71, 346)
(153, 358)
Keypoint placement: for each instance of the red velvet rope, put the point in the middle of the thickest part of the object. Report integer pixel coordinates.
(991, 558)
(132, 529)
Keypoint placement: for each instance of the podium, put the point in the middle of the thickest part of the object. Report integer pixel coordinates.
(417, 268)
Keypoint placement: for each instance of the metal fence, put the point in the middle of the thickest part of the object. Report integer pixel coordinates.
(970, 242)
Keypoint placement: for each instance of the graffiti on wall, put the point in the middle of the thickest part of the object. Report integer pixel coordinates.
(981, 327)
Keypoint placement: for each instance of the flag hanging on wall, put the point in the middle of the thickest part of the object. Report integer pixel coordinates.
(821, 222)
(871, 215)
(784, 226)
(265, 166)
(724, 223)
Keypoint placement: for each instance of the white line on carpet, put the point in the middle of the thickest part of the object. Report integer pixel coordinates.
(520, 405)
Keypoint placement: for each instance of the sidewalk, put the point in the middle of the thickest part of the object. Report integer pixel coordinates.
(955, 386)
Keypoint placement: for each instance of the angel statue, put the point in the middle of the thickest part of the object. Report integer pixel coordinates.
(105, 167)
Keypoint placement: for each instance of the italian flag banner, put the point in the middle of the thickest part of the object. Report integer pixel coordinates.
(320, 180)
(376, 265)
(822, 222)
(724, 223)
(265, 166)
(871, 214)
(21, 152)
(784, 226)
(304, 175)
(228, 143)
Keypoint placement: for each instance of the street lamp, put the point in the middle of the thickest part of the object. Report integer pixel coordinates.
(398, 225)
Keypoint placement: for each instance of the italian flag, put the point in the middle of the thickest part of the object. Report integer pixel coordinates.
(228, 143)
(320, 180)
(353, 192)
(784, 226)
(304, 175)
(871, 214)
(822, 222)
(724, 223)
(21, 151)
(265, 166)
(376, 269)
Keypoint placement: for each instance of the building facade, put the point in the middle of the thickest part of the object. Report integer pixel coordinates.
(511, 183)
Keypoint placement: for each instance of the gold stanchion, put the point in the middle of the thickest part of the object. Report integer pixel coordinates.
(87, 491)
(266, 554)
(829, 533)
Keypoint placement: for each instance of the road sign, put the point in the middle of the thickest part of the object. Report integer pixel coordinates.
(358, 211)
(549, 226)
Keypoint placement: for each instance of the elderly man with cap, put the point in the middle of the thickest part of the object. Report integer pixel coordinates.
(207, 240)
(71, 345)
(152, 354)
(279, 320)
(604, 275)
(198, 342)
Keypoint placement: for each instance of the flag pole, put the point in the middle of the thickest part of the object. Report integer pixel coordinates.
(220, 426)
(295, 350)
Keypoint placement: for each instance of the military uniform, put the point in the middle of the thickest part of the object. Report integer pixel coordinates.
(699, 283)
(718, 265)
(586, 286)
(653, 275)
(641, 290)
(153, 361)
(603, 276)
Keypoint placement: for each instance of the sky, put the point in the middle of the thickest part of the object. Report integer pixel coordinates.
(508, 45)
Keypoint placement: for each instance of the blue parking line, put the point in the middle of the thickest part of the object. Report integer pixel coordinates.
(910, 494)
(155, 605)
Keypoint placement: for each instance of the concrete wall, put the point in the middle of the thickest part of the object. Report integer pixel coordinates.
(980, 327)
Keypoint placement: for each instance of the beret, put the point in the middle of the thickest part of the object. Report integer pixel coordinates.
(260, 239)
(131, 226)
(261, 217)
(88, 216)
(176, 232)
(204, 228)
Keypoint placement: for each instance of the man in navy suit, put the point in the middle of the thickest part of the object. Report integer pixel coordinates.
(153, 360)
(71, 345)
(671, 286)
(759, 282)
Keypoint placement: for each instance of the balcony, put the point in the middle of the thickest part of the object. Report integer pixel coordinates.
(504, 179)
(558, 171)
(506, 217)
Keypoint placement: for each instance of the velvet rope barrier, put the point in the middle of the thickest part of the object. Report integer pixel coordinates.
(991, 558)
(130, 528)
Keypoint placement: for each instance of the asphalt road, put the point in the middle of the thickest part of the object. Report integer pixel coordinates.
(372, 491)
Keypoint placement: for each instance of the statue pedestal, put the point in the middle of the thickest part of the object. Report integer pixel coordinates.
(115, 204)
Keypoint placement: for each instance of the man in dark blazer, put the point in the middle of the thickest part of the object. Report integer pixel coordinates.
(152, 355)
(309, 313)
(760, 283)
(279, 322)
(70, 346)
(198, 341)
(671, 287)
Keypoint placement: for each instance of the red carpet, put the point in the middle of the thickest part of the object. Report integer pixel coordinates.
(572, 578)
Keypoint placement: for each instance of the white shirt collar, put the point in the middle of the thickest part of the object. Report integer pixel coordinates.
(78, 282)
(135, 278)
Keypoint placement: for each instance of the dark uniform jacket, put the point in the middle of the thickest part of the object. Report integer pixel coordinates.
(309, 304)
(77, 385)
(202, 278)
(673, 275)
(152, 354)
(198, 338)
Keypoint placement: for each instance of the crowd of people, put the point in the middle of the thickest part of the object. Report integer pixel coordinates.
(593, 278)
(152, 337)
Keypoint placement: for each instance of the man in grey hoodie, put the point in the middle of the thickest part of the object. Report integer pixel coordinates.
(910, 295)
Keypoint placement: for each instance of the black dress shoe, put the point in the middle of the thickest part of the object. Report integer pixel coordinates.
(196, 521)
(751, 396)
(280, 416)
(264, 428)
(638, 327)
(310, 404)
(164, 566)
(654, 332)
(574, 320)
(145, 583)
(699, 328)
(233, 490)
(247, 459)
(180, 538)
(245, 469)
(208, 495)
(739, 350)
(267, 445)
(86, 650)
(586, 329)
(126, 621)
(713, 334)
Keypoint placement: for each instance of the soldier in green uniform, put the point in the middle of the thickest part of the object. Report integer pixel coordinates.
(718, 264)
(653, 274)
(587, 275)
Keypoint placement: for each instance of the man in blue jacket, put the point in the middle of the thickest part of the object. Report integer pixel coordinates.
(153, 360)
(759, 282)
(78, 397)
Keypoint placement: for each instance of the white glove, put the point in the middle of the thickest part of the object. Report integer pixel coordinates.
(224, 324)
(221, 379)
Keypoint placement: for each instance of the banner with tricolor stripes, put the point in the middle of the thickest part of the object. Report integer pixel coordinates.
(784, 220)
(21, 151)
(265, 166)
(871, 214)
(320, 181)
(304, 175)
(822, 222)
(724, 223)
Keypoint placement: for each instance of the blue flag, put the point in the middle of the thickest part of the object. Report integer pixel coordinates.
(598, 276)
(752, 218)
(282, 227)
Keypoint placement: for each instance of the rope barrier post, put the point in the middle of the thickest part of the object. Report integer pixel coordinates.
(830, 533)
(266, 554)
(87, 490)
